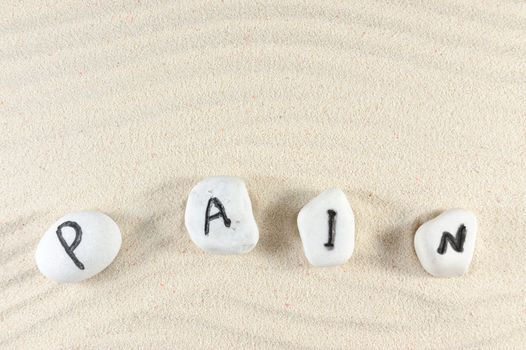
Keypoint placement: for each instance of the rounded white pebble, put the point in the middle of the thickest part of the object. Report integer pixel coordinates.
(445, 245)
(78, 246)
(326, 226)
(219, 216)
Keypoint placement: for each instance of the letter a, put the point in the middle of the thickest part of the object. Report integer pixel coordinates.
(220, 214)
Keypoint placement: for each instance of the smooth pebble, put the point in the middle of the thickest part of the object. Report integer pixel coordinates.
(445, 245)
(326, 226)
(78, 246)
(219, 216)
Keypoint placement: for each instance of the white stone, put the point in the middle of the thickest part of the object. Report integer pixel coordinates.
(443, 257)
(314, 227)
(236, 231)
(99, 241)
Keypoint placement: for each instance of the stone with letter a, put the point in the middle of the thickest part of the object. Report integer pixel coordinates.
(219, 216)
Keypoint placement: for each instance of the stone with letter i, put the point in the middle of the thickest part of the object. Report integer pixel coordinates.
(326, 226)
(219, 216)
(445, 245)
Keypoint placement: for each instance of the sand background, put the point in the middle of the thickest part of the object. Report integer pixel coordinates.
(411, 107)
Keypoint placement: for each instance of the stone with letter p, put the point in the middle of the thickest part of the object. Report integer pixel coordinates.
(78, 246)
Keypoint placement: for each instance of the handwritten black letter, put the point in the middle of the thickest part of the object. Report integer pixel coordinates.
(457, 242)
(70, 248)
(332, 227)
(221, 214)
